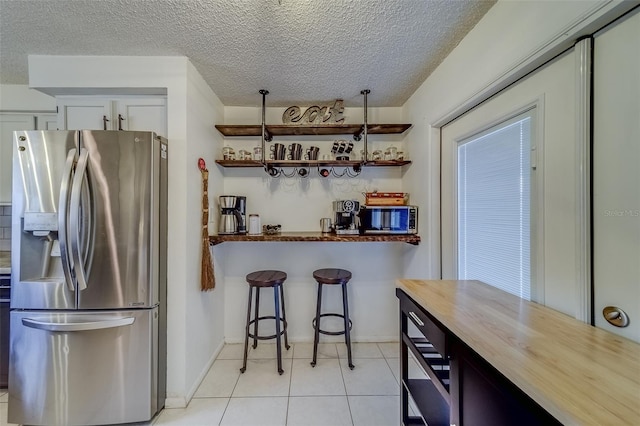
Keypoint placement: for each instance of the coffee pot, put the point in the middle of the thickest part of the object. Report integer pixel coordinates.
(232, 214)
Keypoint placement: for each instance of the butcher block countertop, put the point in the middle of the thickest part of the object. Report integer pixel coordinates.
(315, 237)
(5, 262)
(578, 373)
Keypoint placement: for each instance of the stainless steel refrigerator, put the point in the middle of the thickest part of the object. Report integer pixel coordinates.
(88, 271)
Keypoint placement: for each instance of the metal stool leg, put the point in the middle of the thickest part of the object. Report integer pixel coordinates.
(284, 317)
(255, 324)
(277, 320)
(347, 333)
(316, 337)
(246, 332)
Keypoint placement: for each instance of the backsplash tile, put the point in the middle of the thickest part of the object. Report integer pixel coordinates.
(5, 228)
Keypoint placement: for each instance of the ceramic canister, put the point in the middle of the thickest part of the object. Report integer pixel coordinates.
(254, 225)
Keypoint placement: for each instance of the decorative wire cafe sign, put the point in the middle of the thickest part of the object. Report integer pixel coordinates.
(326, 114)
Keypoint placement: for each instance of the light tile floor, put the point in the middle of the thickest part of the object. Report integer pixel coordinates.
(328, 395)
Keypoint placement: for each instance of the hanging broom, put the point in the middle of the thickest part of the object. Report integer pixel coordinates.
(207, 278)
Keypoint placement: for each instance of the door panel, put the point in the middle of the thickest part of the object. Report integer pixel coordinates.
(145, 114)
(39, 170)
(616, 175)
(78, 114)
(120, 178)
(46, 122)
(91, 376)
(551, 89)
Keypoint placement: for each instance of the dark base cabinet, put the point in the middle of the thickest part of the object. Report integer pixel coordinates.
(462, 388)
(5, 290)
(486, 398)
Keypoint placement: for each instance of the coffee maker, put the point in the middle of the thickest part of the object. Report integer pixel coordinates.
(241, 208)
(346, 217)
(232, 215)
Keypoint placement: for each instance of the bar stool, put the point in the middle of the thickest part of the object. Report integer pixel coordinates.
(332, 276)
(259, 280)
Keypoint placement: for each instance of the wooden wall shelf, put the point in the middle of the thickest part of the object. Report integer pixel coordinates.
(318, 130)
(312, 163)
(315, 237)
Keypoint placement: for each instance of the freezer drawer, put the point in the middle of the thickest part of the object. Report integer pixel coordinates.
(83, 368)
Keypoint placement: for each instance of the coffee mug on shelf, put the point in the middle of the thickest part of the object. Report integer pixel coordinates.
(278, 151)
(312, 153)
(295, 151)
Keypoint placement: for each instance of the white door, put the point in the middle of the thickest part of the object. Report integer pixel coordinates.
(551, 91)
(46, 122)
(616, 174)
(142, 114)
(84, 113)
(8, 124)
(128, 113)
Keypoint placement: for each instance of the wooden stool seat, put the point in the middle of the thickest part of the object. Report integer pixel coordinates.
(332, 276)
(260, 280)
(266, 278)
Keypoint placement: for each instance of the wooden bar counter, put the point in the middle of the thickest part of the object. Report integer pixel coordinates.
(577, 373)
(315, 237)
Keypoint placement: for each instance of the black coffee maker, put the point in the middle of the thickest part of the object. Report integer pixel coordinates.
(241, 208)
(347, 221)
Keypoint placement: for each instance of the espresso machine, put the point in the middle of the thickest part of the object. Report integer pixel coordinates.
(346, 217)
(232, 215)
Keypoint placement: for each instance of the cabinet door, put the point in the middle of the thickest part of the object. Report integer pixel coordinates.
(8, 124)
(85, 113)
(46, 122)
(141, 114)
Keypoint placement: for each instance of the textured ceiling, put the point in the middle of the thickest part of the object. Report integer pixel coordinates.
(302, 51)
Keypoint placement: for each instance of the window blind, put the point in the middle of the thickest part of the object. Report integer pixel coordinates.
(494, 203)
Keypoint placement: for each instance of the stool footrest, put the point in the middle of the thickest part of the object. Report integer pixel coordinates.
(331, 333)
(273, 336)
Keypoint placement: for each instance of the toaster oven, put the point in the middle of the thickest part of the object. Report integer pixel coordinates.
(389, 220)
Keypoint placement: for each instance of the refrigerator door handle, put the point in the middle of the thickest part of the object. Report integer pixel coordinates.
(77, 326)
(63, 204)
(74, 214)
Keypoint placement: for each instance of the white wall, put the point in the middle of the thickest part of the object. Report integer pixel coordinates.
(194, 318)
(204, 320)
(298, 204)
(19, 97)
(506, 39)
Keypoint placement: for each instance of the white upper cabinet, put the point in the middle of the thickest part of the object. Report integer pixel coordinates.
(84, 113)
(126, 113)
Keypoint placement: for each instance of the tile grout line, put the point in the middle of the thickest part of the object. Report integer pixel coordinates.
(286, 416)
(344, 384)
(229, 400)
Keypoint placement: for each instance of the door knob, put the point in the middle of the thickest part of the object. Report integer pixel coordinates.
(615, 316)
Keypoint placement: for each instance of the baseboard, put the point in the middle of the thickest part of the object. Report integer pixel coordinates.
(180, 402)
(177, 402)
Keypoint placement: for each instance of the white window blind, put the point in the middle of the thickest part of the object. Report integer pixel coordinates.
(494, 200)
